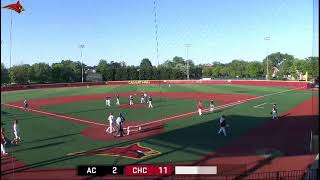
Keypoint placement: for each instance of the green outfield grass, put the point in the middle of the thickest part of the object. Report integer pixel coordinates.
(97, 111)
(46, 140)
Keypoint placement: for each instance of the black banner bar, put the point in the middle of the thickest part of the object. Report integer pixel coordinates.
(88, 170)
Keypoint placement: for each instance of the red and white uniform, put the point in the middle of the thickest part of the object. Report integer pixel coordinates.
(200, 108)
(3, 142)
(110, 129)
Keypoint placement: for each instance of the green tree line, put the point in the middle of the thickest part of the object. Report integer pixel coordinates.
(176, 68)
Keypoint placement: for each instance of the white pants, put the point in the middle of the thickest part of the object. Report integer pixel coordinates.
(108, 103)
(110, 129)
(142, 100)
(150, 104)
(130, 102)
(16, 135)
(3, 151)
(223, 129)
(274, 115)
(118, 102)
(200, 112)
(211, 108)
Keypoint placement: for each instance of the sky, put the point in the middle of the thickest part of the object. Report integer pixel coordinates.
(124, 30)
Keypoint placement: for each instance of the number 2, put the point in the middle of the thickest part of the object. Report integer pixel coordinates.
(114, 171)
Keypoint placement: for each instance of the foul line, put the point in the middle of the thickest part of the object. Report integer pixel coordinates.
(258, 106)
(156, 121)
(53, 114)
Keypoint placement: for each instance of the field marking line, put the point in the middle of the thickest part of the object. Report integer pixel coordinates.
(53, 114)
(258, 106)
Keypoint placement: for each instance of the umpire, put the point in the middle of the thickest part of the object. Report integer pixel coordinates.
(120, 121)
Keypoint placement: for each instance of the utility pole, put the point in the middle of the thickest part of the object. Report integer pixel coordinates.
(187, 46)
(267, 76)
(81, 46)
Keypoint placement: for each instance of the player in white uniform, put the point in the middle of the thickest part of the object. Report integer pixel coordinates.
(111, 120)
(16, 138)
(130, 100)
(3, 142)
(150, 102)
(145, 97)
(25, 104)
(108, 101)
(211, 106)
(142, 99)
(118, 100)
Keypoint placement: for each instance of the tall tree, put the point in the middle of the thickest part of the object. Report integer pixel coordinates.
(40, 72)
(20, 74)
(145, 63)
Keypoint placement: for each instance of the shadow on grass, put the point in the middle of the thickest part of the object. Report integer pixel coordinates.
(60, 159)
(39, 147)
(51, 138)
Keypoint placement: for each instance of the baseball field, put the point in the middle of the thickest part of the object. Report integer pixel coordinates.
(66, 127)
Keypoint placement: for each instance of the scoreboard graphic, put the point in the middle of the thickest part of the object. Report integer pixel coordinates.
(146, 170)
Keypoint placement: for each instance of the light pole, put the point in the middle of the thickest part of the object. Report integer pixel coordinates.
(267, 39)
(81, 46)
(187, 46)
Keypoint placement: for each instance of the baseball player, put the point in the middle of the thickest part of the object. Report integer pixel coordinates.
(25, 104)
(110, 129)
(200, 108)
(150, 102)
(274, 112)
(130, 100)
(16, 138)
(142, 99)
(118, 100)
(119, 121)
(211, 105)
(3, 142)
(108, 98)
(145, 97)
(223, 125)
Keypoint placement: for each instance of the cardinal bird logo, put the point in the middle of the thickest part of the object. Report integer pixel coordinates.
(15, 7)
(133, 151)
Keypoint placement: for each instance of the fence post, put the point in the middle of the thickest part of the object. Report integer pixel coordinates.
(278, 175)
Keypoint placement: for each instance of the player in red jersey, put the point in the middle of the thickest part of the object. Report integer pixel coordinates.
(200, 108)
